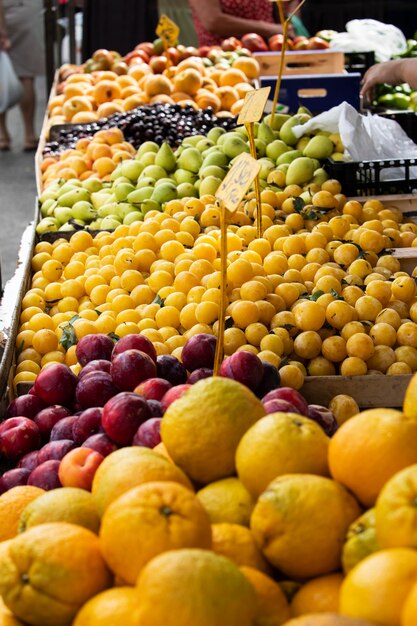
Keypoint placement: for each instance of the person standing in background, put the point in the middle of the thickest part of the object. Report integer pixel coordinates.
(21, 35)
(179, 12)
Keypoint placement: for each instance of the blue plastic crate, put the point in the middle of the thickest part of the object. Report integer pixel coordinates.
(326, 90)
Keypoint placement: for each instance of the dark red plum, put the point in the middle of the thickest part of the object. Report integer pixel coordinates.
(130, 368)
(280, 406)
(93, 347)
(245, 367)
(100, 443)
(26, 406)
(88, 423)
(153, 388)
(324, 418)
(291, 395)
(122, 416)
(135, 342)
(173, 394)
(29, 461)
(45, 476)
(18, 436)
(199, 352)
(14, 478)
(270, 379)
(95, 389)
(56, 385)
(99, 365)
(47, 418)
(148, 434)
(64, 428)
(199, 374)
(155, 408)
(55, 450)
(171, 369)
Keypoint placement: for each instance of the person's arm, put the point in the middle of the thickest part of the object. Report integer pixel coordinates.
(4, 40)
(392, 72)
(225, 25)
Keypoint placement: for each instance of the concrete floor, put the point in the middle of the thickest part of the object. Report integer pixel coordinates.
(17, 186)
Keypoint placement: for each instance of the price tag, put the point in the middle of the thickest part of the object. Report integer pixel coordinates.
(253, 106)
(237, 182)
(168, 31)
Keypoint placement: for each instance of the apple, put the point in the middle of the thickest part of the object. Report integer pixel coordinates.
(317, 43)
(147, 47)
(291, 395)
(131, 367)
(26, 405)
(103, 57)
(56, 384)
(228, 45)
(136, 54)
(203, 51)
(45, 476)
(300, 43)
(100, 443)
(64, 428)
(173, 55)
(98, 365)
(326, 34)
(173, 394)
(276, 42)
(148, 434)
(122, 416)
(29, 461)
(78, 467)
(18, 436)
(134, 342)
(47, 418)
(153, 388)
(88, 423)
(14, 478)
(254, 42)
(94, 389)
(93, 347)
(55, 450)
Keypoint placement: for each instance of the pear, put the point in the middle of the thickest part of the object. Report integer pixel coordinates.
(260, 148)
(139, 195)
(304, 110)
(337, 141)
(266, 166)
(150, 205)
(190, 160)
(228, 135)
(164, 193)
(123, 209)
(319, 147)
(283, 167)
(95, 224)
(67, 228)
(302, 143)
(233, 146)
(209, 185)
(48, 204)
(187, 190)
(214, 133)
(83, 210)
(98, 198)
(276, 148)
(62, 214)
(92, 184)
(131, 168)
(154, 171)
(286, 133)
(69, 185)
(337, 156)
(320, 176)
(49, 194)
(145, 181)
(265, 133)
(204, 144)
(279, 119)
(288, 157)
(300, 171)
(110, 222)
(108, 209)
(193, 140)
(276, 177)
(133, 216)
(148, 158)
(148, 146)
(212, 170)
(307, 197)
(48, 224)
(216, 158)
(165, 158)
(161, 181)
(122, 190)
(71, 197)
(184, 176)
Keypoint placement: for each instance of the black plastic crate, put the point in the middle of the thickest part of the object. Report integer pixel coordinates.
(359, 61)
(367, 178)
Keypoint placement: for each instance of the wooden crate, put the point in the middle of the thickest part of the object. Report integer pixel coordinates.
(301, 62)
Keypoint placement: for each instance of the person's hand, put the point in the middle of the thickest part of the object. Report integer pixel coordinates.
(380, 73)
(4, 42)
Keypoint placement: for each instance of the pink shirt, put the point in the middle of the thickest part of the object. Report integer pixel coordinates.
(247, 9)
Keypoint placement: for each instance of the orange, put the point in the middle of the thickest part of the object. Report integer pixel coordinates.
(280, 443)
(114, 607)
(409, 612)
(300, 523)
(361, 540)
(327, 619)
(68, 504)
(148, 520)
(395, 511)
(320, 595)
(227, 500)
(194, 587)
(50, 571)
(237, 544)
(370, 448)
(12, 503)
(377, 588)
(273, 609)
(221, 410)
(130, 467)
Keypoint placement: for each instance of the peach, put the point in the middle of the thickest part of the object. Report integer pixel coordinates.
(130, 90)
(215, 75)
(73, 89)
(105, 91)
(83, 143)
(177, 96)
(135, 100)
(209, 83)
(56, 101)
(207, 99)
(88, 174)
(228, 96)
(195, 63)
(78, 164)
(104, 75)
(158, 84)
(75, 105)
(97, 150)
(121, 155)
(184, 103)
(249, 66)
(112, 136)
(78, 467)
(126, 81)
(108, 108)
(189, 81)
(236, 108)
(232, 77)
(139, 70)
(243, 88)
(79, 77)
(84, 117)
(104, 166)
(162, 98)
(56, 111)
(47, 162)
(67, 173)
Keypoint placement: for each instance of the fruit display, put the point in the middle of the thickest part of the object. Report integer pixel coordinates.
(255, 43)
(396, 97)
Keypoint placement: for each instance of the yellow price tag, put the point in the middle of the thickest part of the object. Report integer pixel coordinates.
(168, 31)
(238, 181)
(253, 106)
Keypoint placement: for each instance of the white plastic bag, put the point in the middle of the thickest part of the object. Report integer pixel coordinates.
(10, 85)
(385, 40)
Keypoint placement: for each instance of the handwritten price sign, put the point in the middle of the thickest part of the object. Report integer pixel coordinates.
(237, 182)
(253, 106)
(168, 31)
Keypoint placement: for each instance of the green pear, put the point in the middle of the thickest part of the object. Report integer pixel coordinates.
(147, 159)
(98, 198)
(131, 168)
(71, 197)
(279, 119)
(276, 148)
(62, 214)
(154, 171)
(209, 185)
(286, 133)
(266, 166)
(133, 216)
(184, 176)
(122, 190)
(48, 204)
(92, 184)
(260, 148)
(283, 167)
(48, 224)
(67, 228)
(83, 210)
(300, 171)
(51, 193)
(223, 138)
(307, 197)
(204, 144)
(192, 140)
(320, 176)
(148, 146)
(302, 143)
(319, 147)
(164, 193)
(216, 158)
(95, 224)
(190, 160)
(123, 209)
(150, 205)
(304, 110)
(242, 131)
(165, 158)
(108, 210)
(288, 157)
(69, 185)
(265, 133)
(187, 190)
(110, 222)
(212, 170)
(214, 133)
(337, 156)
(214, 148)
(233, 146)
(145, 181)
(161, 181)
(139, 195)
